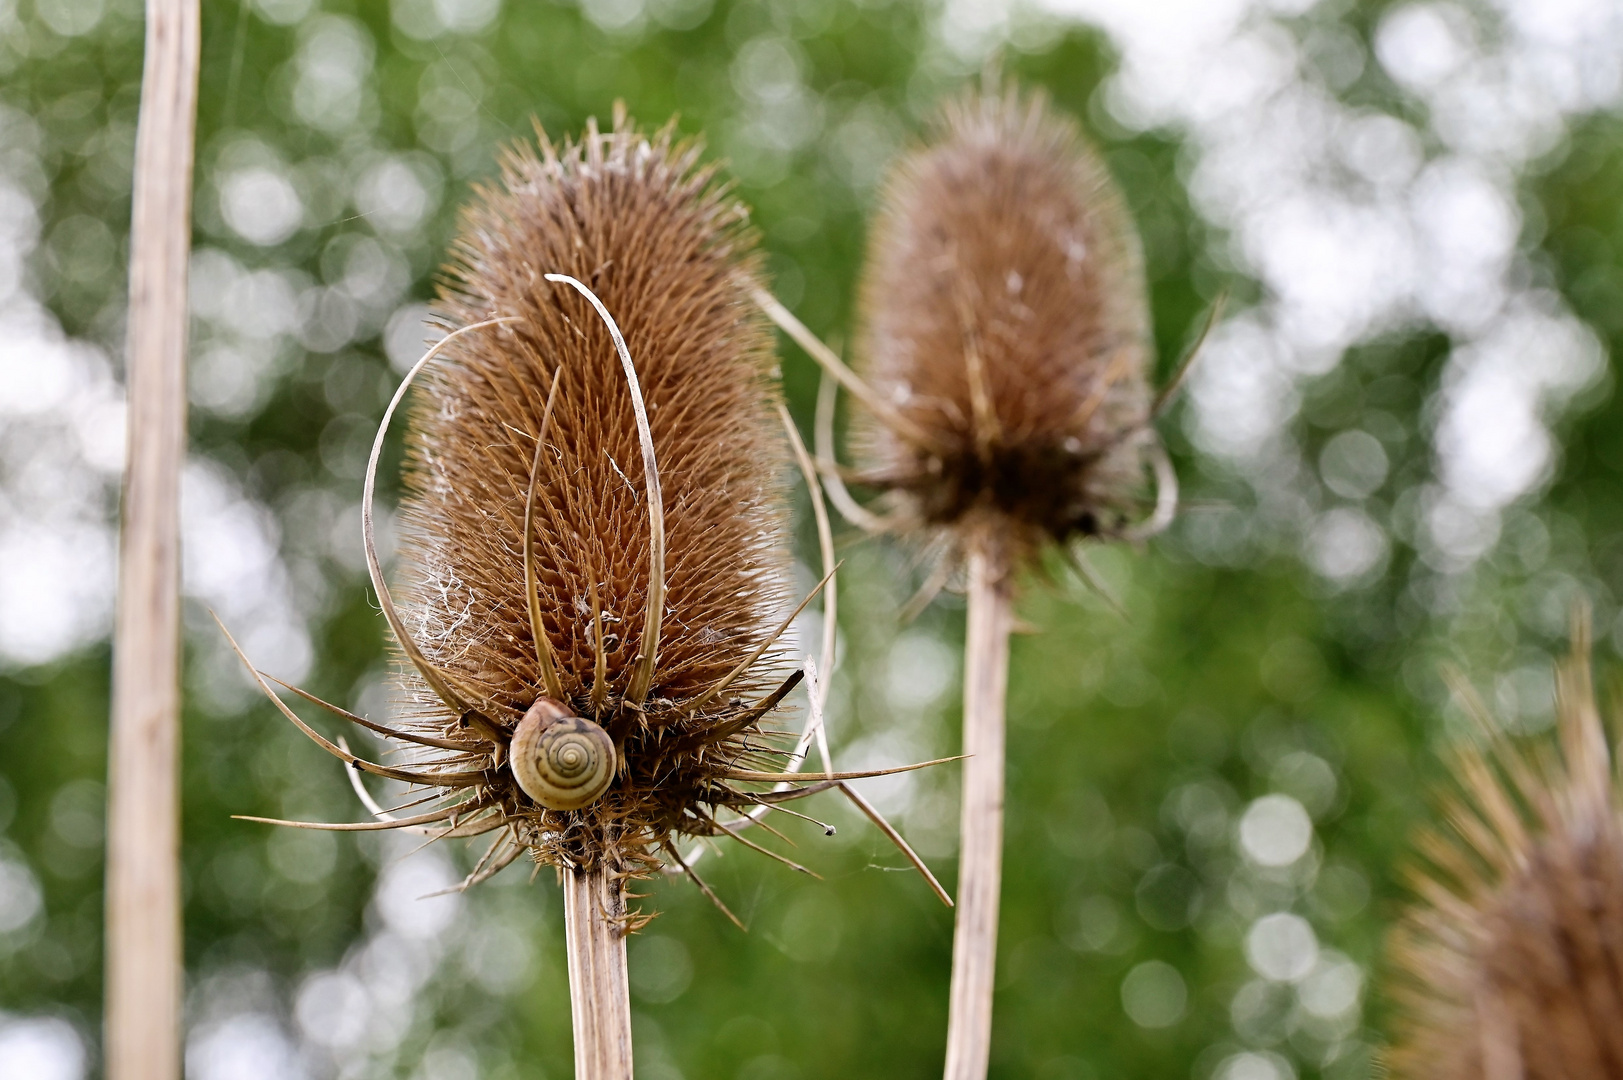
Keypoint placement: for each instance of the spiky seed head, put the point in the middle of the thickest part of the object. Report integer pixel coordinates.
(1510, 961)
(639, 221)
(1004, 315)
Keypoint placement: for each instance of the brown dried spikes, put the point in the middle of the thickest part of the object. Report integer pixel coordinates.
(641, 224)
(1005, 322)
(1510, 963)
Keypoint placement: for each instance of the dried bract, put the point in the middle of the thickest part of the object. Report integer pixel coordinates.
(1510, 963)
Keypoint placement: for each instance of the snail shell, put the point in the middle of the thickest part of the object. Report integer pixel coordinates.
(563, 762)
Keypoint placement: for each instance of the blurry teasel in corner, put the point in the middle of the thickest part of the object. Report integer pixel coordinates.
(1509, 963)
(1003, 364)
(592, 538)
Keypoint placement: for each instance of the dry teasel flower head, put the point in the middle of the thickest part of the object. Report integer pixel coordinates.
(1003, 367)
(592, 541)
(1005, 329)
(1509, 963)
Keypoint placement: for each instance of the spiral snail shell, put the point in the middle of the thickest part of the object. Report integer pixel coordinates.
(561, 761)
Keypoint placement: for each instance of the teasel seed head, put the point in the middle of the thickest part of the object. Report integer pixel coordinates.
(592, 537)
(1507, 964)
(1005, 334)
(654, 499)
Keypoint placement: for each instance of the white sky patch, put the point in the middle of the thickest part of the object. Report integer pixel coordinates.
(1492, 442)
(1353, 232)
(40, 1048)
(61, 446)
(231, 563)
(247, 1046)
(332, 68)
(61, 454)
(260, 204)
(1345, 544)
(355, 1018)
(1282, 947)
(20, 896)
(1275, 830)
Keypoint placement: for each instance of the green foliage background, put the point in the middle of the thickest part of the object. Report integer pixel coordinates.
(1136, 743)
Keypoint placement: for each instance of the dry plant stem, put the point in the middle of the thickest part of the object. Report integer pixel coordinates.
(599, 998)
(143, 879)
(980, 845)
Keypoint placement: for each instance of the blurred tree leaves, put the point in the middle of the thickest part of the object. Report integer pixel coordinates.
(335, 143)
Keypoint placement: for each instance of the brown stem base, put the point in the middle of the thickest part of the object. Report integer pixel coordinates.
(599, 998)
(980, 857)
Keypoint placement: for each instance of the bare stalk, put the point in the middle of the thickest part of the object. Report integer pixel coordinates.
(599, 998)
(144, 962)
(980, 856)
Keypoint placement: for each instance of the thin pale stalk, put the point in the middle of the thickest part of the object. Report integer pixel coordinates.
(818, 693)
(825, 545)
(143, 960)
(1166, 496)
(1169, 392)
(599, 997)
(823, 435)
(980, 843)
(745, 664)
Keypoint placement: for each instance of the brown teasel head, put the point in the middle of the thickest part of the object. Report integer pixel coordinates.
(638, 221)
(1510, 961)
(1004, 321)
(593, 534)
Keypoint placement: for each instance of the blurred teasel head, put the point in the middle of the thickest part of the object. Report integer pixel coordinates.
(1509, 963)
(1005, 336)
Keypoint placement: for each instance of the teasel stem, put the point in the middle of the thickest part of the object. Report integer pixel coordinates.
(828, 389)
(144, 958)
(599, 995)
(980, 851)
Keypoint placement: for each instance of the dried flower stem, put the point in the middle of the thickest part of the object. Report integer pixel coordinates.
(980, 852)
(143, 877)
(599, 998)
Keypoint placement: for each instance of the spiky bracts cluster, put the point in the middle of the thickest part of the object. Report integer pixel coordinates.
(1511, 962)
(1005, 323)
(641, 222)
